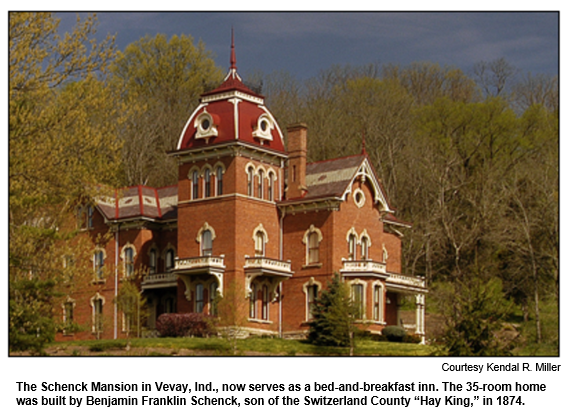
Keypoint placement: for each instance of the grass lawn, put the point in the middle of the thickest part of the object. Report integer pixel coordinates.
(222, 347)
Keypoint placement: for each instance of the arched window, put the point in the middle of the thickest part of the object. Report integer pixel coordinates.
(199, 298)
(129, 261)
(153, 261)
(312, 239)
(271, 187)
(250, 181)
(352, 246)
(194, 182)
(260, 184)
(260, 244)
(312, 296)
(98, 264)
(219, 181)
(364, 248)
(313, 253)
(170, 259)
(378, 303)
(206, 243)
(207, 186)
(358, 300)
(97, 304)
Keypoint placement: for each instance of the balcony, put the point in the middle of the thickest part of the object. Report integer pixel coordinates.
(157, 281)
(200, 265)
(365, 268)
(262, 266)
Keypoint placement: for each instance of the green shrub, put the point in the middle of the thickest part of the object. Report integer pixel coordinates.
(394, 333)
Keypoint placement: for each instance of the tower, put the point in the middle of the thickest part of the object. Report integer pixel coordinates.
(231, 167)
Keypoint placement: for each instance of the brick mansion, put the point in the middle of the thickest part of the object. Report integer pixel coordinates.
(252, 216)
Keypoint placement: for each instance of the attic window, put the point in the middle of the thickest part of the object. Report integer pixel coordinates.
(204, 124)
(263, 129)
(359, 197)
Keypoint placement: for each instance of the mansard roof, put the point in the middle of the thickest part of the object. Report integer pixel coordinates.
(136, 202)
(231, 112)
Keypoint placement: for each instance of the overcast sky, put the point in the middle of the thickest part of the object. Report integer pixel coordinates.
(305, 43)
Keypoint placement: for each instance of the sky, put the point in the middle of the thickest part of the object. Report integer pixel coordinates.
(303, 44)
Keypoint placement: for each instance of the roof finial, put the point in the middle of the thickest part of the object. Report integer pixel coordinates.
(364, 143)
(232, 53)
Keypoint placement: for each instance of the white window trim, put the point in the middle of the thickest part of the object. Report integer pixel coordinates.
(96, 297)
(311, 282)
(123, 257)
(359, 282)
(312, 229)
(380, 304)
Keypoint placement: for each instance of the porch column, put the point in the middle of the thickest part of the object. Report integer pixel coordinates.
(420, 316)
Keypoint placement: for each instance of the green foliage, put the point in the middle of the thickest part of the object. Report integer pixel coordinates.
(63, 143)
(394, 333)
(333, 317)
(159, 82)
(31, 320)
(474, 312)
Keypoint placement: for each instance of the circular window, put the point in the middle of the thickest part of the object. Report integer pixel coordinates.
(359, 197)
(205, 124)
(263, 125)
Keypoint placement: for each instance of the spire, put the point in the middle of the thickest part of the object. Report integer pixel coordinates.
(232, 53)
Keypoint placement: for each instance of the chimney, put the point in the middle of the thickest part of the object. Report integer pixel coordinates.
(297, 169)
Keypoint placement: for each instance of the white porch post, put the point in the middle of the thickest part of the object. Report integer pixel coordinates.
(420, 316)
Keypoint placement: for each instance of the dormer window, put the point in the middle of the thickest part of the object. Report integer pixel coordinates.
(205, 126)
(263, 129)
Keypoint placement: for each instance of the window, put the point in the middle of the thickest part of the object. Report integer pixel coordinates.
(260, 184)
(358, 300)
(213, 301)
(206, 243)
(364, 248)
(264, 303)
(312, 239)
(312, 295)
(194, 182)
(260, 244)
(97, 303)
(352, 246)
(199, 298)
(219, 181)
(153, 261)
(89, 217)
(207, 188)
(271, 187)
(250, 181)
(253, 297)
(313, 253)
(378, 303)
(98, 264)
(170, 259)
(68, 313)
(129, 261)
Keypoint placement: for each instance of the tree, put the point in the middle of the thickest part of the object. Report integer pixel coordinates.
(333, 317)
(159, 81)
(473, 311)
(63, 144)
